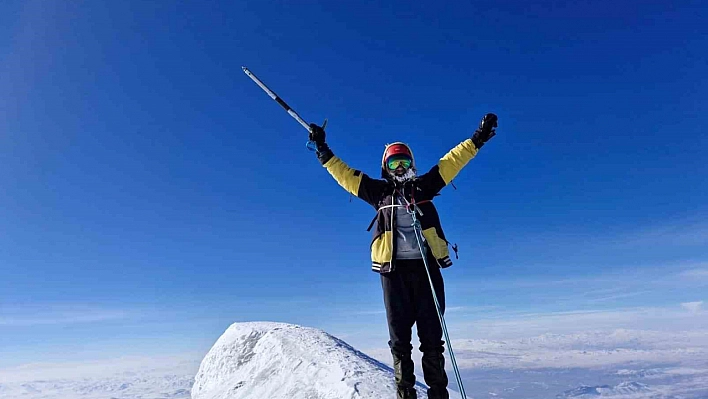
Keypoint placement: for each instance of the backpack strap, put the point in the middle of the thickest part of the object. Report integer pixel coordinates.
(377, 214)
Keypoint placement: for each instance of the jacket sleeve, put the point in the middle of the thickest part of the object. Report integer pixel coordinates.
(449, 166)
(354, 181)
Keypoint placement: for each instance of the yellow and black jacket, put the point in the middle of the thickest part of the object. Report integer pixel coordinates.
(379, 193)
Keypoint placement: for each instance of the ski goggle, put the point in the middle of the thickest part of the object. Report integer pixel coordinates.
(395, 160)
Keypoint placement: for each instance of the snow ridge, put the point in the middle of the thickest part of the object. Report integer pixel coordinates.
(278, 360)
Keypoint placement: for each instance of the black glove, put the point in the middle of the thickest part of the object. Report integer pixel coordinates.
(318, 135)
(485, 131)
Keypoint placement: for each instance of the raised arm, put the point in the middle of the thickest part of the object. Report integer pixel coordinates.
(352, 180)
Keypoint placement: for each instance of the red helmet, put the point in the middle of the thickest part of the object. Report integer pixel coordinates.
(395, 149)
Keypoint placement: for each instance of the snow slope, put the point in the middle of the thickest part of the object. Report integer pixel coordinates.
(284, 361)
(124, 378)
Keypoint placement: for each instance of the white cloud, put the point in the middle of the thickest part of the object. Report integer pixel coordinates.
(688, 232)
(176, 364)
(450, 309)
(693, 307)
(35, 316)
(369, 312)
(697, 273)
(587, 349)
(470, 309)
(623, 286)
(605, 298)
(530, 324)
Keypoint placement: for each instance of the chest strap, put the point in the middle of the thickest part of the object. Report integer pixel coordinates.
(396, 206)
(377, 214)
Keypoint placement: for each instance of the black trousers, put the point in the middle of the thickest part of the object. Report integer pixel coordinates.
(409, 300)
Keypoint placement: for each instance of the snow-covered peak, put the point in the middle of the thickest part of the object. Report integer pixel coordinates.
(283, 361)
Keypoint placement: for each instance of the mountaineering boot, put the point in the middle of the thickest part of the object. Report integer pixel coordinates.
(406, 393)
(434, 374)
(405, 376)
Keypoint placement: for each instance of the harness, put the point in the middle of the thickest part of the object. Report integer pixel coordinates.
(410, 207)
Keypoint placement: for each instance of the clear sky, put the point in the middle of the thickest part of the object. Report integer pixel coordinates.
(151, 194)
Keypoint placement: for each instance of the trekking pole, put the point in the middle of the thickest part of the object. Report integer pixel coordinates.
(419, 238)
(277, 99)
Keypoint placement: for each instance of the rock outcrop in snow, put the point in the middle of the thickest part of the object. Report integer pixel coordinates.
(282, 361)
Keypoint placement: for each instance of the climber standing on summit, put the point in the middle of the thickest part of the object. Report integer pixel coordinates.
(401, 198)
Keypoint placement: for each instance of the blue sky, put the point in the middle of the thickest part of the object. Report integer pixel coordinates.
(153, 194)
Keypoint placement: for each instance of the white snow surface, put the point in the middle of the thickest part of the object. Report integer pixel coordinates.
(283, 361)
(274, 360)
(169, 377)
